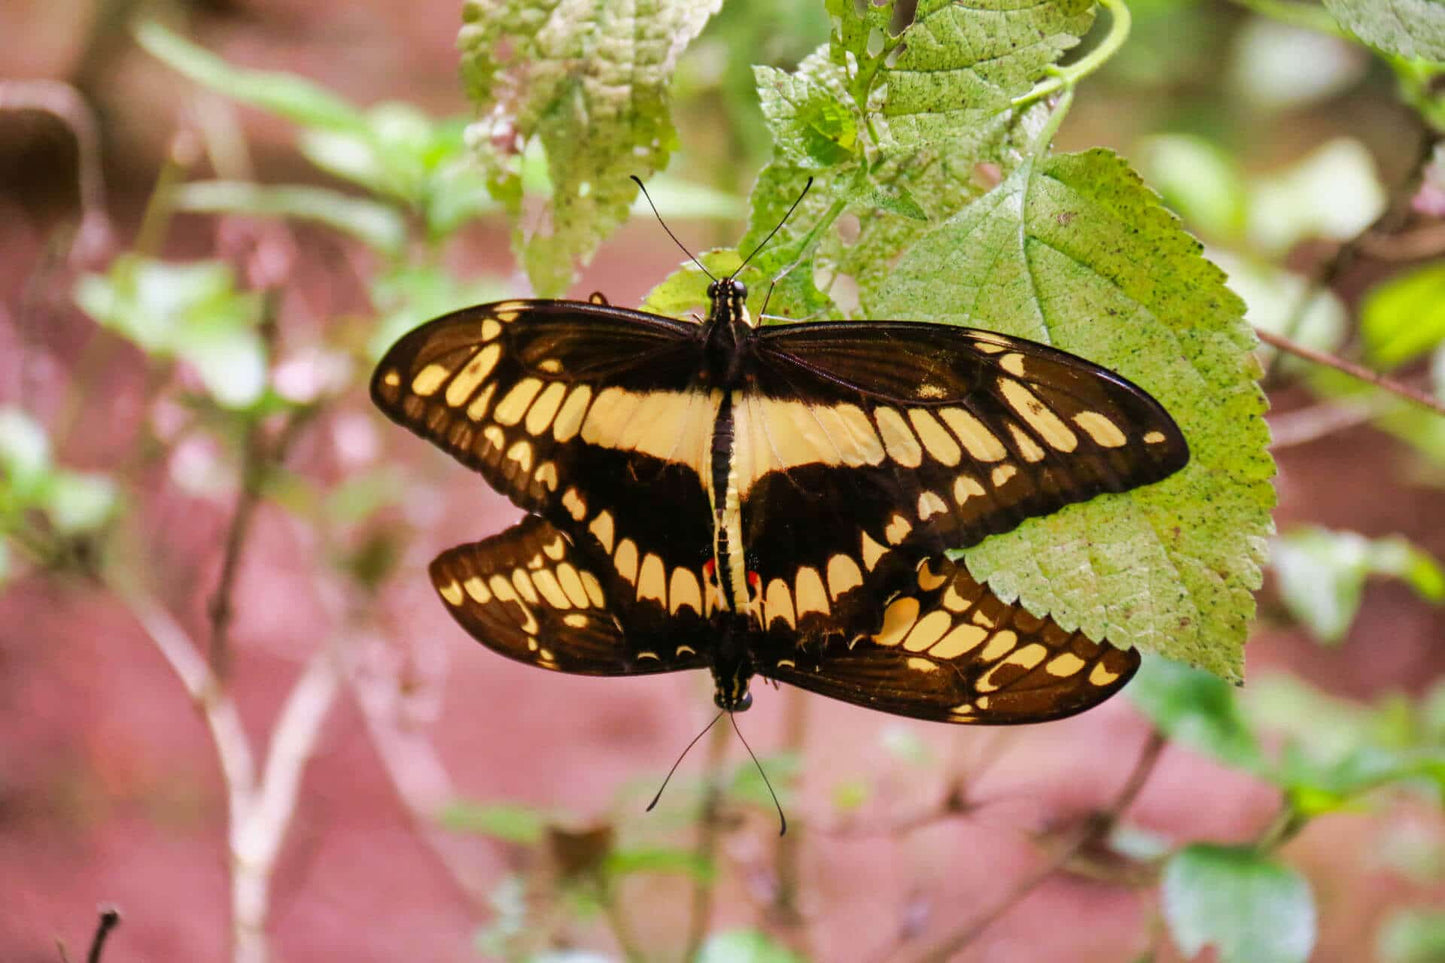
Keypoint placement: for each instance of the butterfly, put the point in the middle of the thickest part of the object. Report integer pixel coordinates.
(774, 501)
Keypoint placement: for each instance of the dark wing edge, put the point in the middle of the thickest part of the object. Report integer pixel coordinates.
(530, 595)
(952, 651)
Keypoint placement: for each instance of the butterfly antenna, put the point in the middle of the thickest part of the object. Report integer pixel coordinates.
(684, 756)
(638, 181)
(782, 820)
(774, 230)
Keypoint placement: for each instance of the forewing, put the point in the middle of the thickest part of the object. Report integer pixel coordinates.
(951, 651)
(530, 594)
(866, 448)
(586, 414)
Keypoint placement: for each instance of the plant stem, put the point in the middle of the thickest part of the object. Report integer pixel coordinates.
(1415, 395)
(708, 826)
(1090, 831)
(1064, 78)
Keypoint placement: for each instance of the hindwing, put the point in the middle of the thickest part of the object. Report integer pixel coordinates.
(532, 595)
(588, 415)
(951, 651)
(866, 448)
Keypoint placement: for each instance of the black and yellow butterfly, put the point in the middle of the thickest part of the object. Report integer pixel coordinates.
(772, 500)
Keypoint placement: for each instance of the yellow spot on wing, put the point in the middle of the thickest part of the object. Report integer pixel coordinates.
(964, 487)
(929, 504)
(477, 589)
(929, 630)
(962, 639)
(547, 586)
(1064, 665)
(452, 592)
(922, 665)
(490, 329)
(843, 574)
(524, 585)
(935, 438)
(898, 618)
(495, 436)
(466, 381)
(1153, 437)
(981, 443)
(391, 378)
(626, 560)
(1101, 429)
(848, 426)
(684, 592)
(778, 603)
(872, 552)
(575, 504)
(928, 579)
(808, 587)
(429, 379)
(1027, 656)
(521, 453)
(1000, 645)
(575, 620)
(1002, 474)
(540, 415)
(569, 419)
(1026, 445)
(547, 476)
(897, 530)
(594, 589)
(514, 404)
(477, 410)
(602, 527)
(902, 445)
(652, 579)
(1013, 363)
(1101, 676)
(572, 584)
(1038, 416)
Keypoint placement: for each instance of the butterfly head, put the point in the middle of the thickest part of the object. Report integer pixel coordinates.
(731, 694)
(728, 290)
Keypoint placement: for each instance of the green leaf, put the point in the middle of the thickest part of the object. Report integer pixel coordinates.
(373, 224)
(193, 312)
(812, 127)
(589, 81)
(288, 95)
(745, 946)
(1074, 251)
(505, 821)
(1413, 29)
(956, 67)
(1197, 709)
(1404, 317)
(1322, 575)
(1250, 908)
(1412, 936)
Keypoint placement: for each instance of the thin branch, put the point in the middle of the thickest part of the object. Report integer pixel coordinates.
(617, 919)
(1092, 830)
(708, 829)
(1383, 382)
(257, 463)
(1304, 425)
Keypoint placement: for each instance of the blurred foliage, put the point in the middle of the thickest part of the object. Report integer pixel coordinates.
(1413, 936)
(1250, 908)
(1322, 575)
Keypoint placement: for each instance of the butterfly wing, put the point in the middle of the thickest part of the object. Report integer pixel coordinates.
(530, 594)
(949, 650)
(586, 414)
(867, 448)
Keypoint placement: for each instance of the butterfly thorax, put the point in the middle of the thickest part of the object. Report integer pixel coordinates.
(729, 332)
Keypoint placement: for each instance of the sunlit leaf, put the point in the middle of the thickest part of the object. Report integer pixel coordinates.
(1248, 907)
(1284, 303)
(1407, 28)
(685, 862)
(589, 80)
(374, 224)
(1404, 317)
(1072, 250)
(24, 453)
(815, 128)
(1198, 180)
(80, 501)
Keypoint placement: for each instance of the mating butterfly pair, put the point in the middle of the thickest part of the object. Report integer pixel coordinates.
(772, 500)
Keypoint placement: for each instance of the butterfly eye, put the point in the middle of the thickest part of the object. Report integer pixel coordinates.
(712, 290)
(740, 290)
